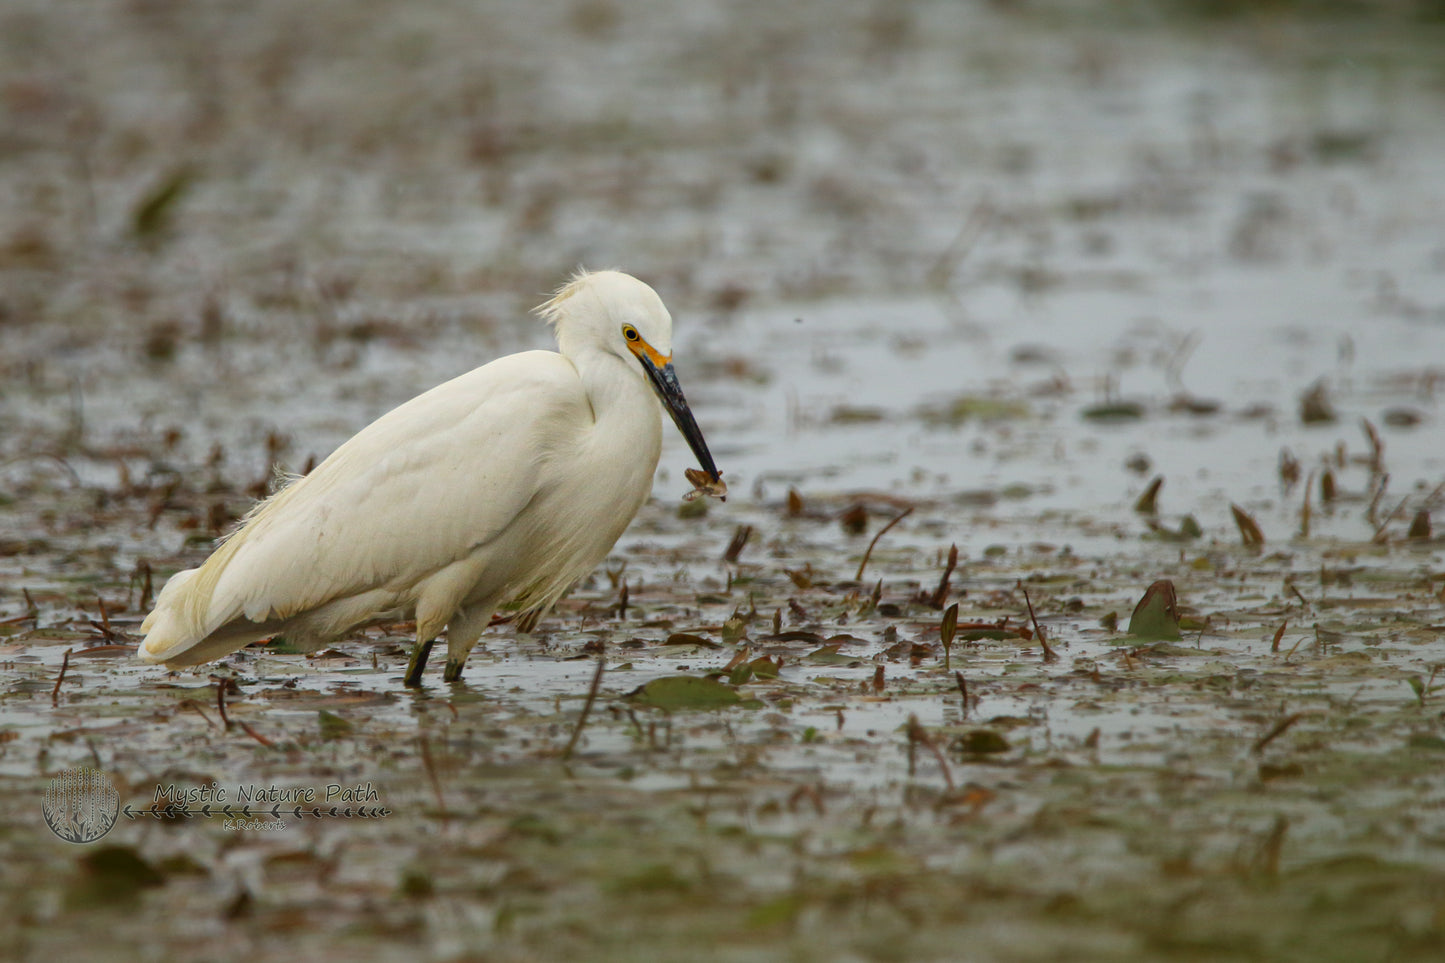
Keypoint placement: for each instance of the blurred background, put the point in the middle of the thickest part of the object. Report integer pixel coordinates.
(1040, 250)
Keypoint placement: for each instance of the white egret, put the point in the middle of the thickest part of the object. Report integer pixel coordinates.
(502, 486)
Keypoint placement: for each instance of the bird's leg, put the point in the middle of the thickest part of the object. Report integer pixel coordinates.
(463, 631)
(417, 665)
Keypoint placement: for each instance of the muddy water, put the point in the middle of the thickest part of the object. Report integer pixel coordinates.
(968, 261)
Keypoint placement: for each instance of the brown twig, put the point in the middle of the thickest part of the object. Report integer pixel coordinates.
(255, 735)
(1380, 538)
(917, 735)
(1377, 447)
(941, 593)
(735, 547)
(142, 574)
(1375, 498)
(221, 703)
(1275, 731)
(431, 773)
(1049, 655)
(962, 690)
(1305, 511)
(587, 706)
(881, 532)
(941, 273)
(105, 628)
(55, 692)
(1267, 859)
(810, 793)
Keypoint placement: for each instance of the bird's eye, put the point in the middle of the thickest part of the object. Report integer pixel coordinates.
(630, 333)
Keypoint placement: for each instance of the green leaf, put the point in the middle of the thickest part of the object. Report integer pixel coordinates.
(950, 624)
(684, 692)
(1115, 411)
(1423, 740)
(1157, 614)
(980, 742)
(1418, 684)
(764, 668)
(334, 726)
(829, 655)
(152, 213)
(111, 876)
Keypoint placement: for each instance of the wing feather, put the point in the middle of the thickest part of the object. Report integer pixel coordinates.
(418, 489)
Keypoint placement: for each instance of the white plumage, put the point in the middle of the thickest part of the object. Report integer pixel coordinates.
(504, 485)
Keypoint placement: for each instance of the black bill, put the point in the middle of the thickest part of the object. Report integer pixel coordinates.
(664, 382)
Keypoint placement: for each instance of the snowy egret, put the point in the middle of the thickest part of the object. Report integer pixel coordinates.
(502, 486)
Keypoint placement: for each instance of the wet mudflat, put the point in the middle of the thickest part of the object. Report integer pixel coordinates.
(982, 276)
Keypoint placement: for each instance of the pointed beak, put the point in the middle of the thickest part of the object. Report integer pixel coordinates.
(664, 382)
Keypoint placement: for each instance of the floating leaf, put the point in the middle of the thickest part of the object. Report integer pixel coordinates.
(856, 415)
(829, 655)
(1417, 684)
(1148, 503)
(854, 520)
(334, 726)
(1402, 417)
(1115, 411)
(764, 668)
(1314, 405)
(684, 692)
(980, 742)
(779, 912)
(975, 407)
(1423, 740)
(1157, 614)
(1420, 527)
(153, 212)
(1164, 649)
(1248, 528)
(1190, 405)
(687, 638)
(112, 875)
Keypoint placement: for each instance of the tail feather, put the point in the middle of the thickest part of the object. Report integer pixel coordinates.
(177, 629)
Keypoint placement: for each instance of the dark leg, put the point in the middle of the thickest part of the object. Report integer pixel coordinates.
(453, 671)
(414, 669)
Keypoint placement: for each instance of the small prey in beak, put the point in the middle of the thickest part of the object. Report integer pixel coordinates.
(664, 382)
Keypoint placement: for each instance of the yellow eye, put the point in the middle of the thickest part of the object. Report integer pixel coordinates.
(630, 333)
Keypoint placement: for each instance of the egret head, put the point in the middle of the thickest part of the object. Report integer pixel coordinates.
(618, 314)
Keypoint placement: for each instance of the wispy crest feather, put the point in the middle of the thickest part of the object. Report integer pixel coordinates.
(550, 311)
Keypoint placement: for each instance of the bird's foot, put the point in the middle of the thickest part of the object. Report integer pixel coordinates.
(453, 672)
(417, 665)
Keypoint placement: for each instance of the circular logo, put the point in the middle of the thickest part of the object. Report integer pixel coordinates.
(81, 805)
